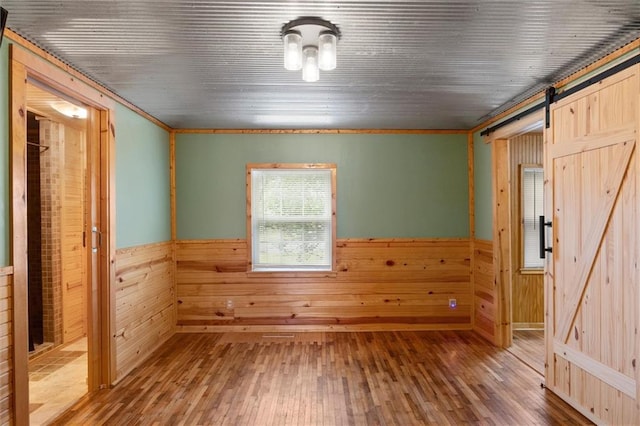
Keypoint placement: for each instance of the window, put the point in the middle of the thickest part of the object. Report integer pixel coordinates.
(291, 223)
(532, 178)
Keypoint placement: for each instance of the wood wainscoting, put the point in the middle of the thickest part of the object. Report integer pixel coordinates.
(6, 345)
(145, 303)
(484, 295)
(379, 284)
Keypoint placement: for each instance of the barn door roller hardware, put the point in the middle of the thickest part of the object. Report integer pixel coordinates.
(549, 98)
(543, 231)
(551, 94)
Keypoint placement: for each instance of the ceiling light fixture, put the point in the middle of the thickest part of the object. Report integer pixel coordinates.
(69, 109)
(310, 45)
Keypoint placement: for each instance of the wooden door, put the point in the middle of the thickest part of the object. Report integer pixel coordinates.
(73, 221)
(591, 294)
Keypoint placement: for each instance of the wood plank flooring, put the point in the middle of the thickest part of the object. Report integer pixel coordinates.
(363, 378)
(528, 346)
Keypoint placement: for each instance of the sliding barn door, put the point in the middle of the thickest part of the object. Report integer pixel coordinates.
(591, 284)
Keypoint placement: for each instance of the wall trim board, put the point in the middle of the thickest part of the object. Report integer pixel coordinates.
(78, 75)
(470, 174)
(561, 83)
(18, 200)
(318, 328)
(130, 250)
(172, 180)
(173, 216)
(528, 326)
(483, 242)
(502, 240)
(343, 241)
(472, 218)
(325, 131)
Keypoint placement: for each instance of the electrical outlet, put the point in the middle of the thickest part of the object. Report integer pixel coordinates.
(453, 303)
(229, 304)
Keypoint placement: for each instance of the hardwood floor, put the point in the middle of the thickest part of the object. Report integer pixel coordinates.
(528, 346)
(382, 378)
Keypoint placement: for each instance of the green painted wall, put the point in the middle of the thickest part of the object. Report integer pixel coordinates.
(143, 207)
(4, 155)
(388, 185)
(482, 188)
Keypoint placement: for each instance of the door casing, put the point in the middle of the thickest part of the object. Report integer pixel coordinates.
(100, 181)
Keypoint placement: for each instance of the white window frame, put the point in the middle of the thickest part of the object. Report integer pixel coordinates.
(533, 221)
(301, 270)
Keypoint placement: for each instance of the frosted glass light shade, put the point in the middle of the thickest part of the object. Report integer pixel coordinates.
(310, 70)
(310, 44)
(327, 51)
(292, 51)
(70, 110)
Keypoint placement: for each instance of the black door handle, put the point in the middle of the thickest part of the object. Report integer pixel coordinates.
(543, 248)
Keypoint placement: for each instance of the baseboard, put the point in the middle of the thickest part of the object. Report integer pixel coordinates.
(317, 328)
(528, 326)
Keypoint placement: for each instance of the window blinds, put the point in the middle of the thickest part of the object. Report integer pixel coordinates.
(291, 219)
(532, 209)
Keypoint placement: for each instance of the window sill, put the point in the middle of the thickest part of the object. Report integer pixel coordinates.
(531, 271)
(291, 274)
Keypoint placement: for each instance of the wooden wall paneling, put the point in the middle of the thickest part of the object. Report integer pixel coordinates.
(20, 337)
(484, 290)
(527, 297)
(378, 284)
(144, 302)
(502, 241)
(592, 306)
(6, 345)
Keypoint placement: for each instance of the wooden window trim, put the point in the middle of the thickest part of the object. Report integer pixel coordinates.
(522, 269)
(531, 271)
(291, 274)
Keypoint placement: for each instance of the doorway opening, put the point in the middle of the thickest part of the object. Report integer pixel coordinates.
(57, 253)
(517, 156)
(527, 269)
